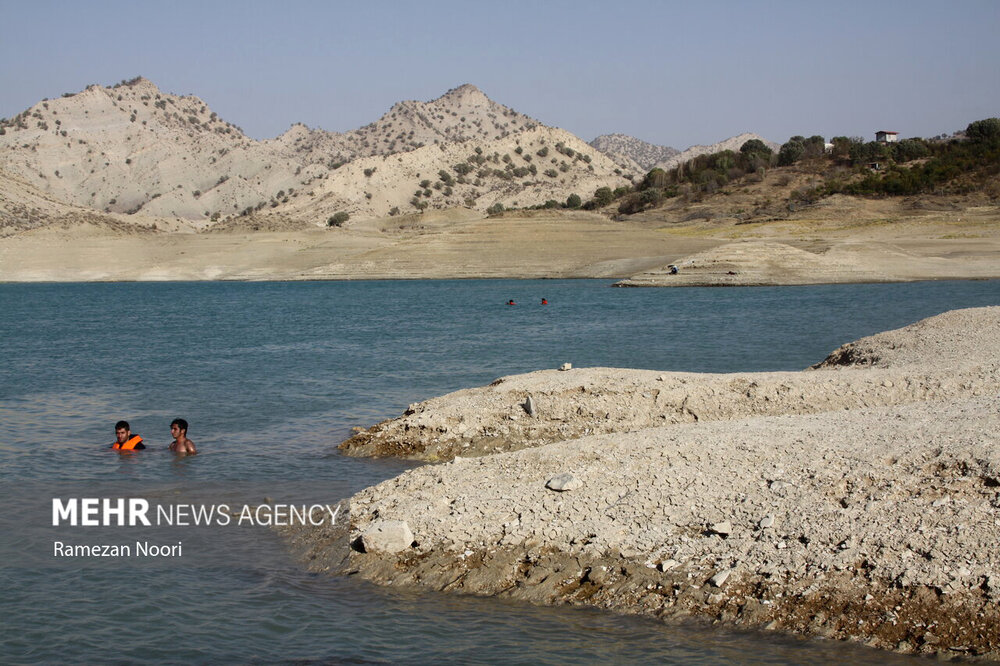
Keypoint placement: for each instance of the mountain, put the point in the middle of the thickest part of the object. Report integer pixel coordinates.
(461, 114)
(732, 143)
(133, 150)
(631, 153)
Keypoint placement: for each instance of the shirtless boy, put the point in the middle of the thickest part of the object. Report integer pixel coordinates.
(181, 444)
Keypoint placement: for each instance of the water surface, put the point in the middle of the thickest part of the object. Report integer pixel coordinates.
(272, 376)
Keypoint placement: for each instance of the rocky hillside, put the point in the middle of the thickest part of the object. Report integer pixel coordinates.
(732, 143)
(461, 114)
(633, 154)
(135, 150)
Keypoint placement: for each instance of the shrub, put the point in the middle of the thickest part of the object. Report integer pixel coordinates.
(603, 196)
(495, 209)
(573, 201)
(369, 171)
(337, 219)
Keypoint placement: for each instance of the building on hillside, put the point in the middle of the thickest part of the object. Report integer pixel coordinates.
(886, 136)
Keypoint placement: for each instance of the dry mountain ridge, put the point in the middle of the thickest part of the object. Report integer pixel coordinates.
(461, 114)
(135, 150)
(631, 153)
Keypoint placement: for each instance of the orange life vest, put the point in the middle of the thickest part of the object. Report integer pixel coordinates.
(128, 445)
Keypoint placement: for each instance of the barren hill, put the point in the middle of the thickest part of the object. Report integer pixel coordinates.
(631, 153)
(461, 114)
(135, 150)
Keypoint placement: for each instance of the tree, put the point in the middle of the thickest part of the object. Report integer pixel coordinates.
(755, 147)
(655, 178)
(984, 131)
(815, 146)
(573, 201)
(791, 152)
(841, 147)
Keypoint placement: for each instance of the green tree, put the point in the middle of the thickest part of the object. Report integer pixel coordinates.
(573, 201)
(984, 131)
(655, 178)
(791, 152)
(841, 147)
(755, 147)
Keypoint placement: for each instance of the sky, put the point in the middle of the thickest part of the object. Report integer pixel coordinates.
(670, 73)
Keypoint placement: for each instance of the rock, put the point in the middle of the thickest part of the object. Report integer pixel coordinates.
(767, 521)
(566, 366)
(529, 406)
(387, 536)
(724, 528)
(563, 482)
(720, 578)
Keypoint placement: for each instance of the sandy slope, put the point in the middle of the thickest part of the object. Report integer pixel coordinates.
(856, 500)
(463, 243)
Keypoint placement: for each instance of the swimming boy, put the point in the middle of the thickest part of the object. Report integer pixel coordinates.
(125, 440)
(181, 444)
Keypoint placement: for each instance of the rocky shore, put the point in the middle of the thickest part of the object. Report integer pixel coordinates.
(858, 499)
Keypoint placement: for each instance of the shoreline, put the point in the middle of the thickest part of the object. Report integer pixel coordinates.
(488, 278)
(457, 245)
(855, 500)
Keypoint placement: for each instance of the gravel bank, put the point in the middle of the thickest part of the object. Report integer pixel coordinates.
(857, 500)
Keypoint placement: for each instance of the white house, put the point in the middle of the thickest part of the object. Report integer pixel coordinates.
(886, 136)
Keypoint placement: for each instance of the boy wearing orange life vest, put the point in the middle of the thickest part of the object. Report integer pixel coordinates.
(125, 440)
(181, 444)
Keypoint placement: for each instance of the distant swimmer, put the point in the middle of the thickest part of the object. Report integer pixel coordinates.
(545, 302)
(511, 302)
(181, 444)
(125, 440)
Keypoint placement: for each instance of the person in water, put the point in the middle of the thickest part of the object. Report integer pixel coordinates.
(181, 443)
(545, 301)
(125, 440)
(511, 302)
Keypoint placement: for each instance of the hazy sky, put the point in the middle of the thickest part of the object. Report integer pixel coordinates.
(672, 73)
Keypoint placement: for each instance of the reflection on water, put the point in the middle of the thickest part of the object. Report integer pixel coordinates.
(271, 377)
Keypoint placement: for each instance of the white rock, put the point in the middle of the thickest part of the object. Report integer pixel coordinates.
(387, 536)
(722, 529)
(767, 521)
(564, 481)
(719, 579)
(566, 366)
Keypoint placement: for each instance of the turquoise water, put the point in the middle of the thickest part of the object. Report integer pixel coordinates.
(271, 377)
